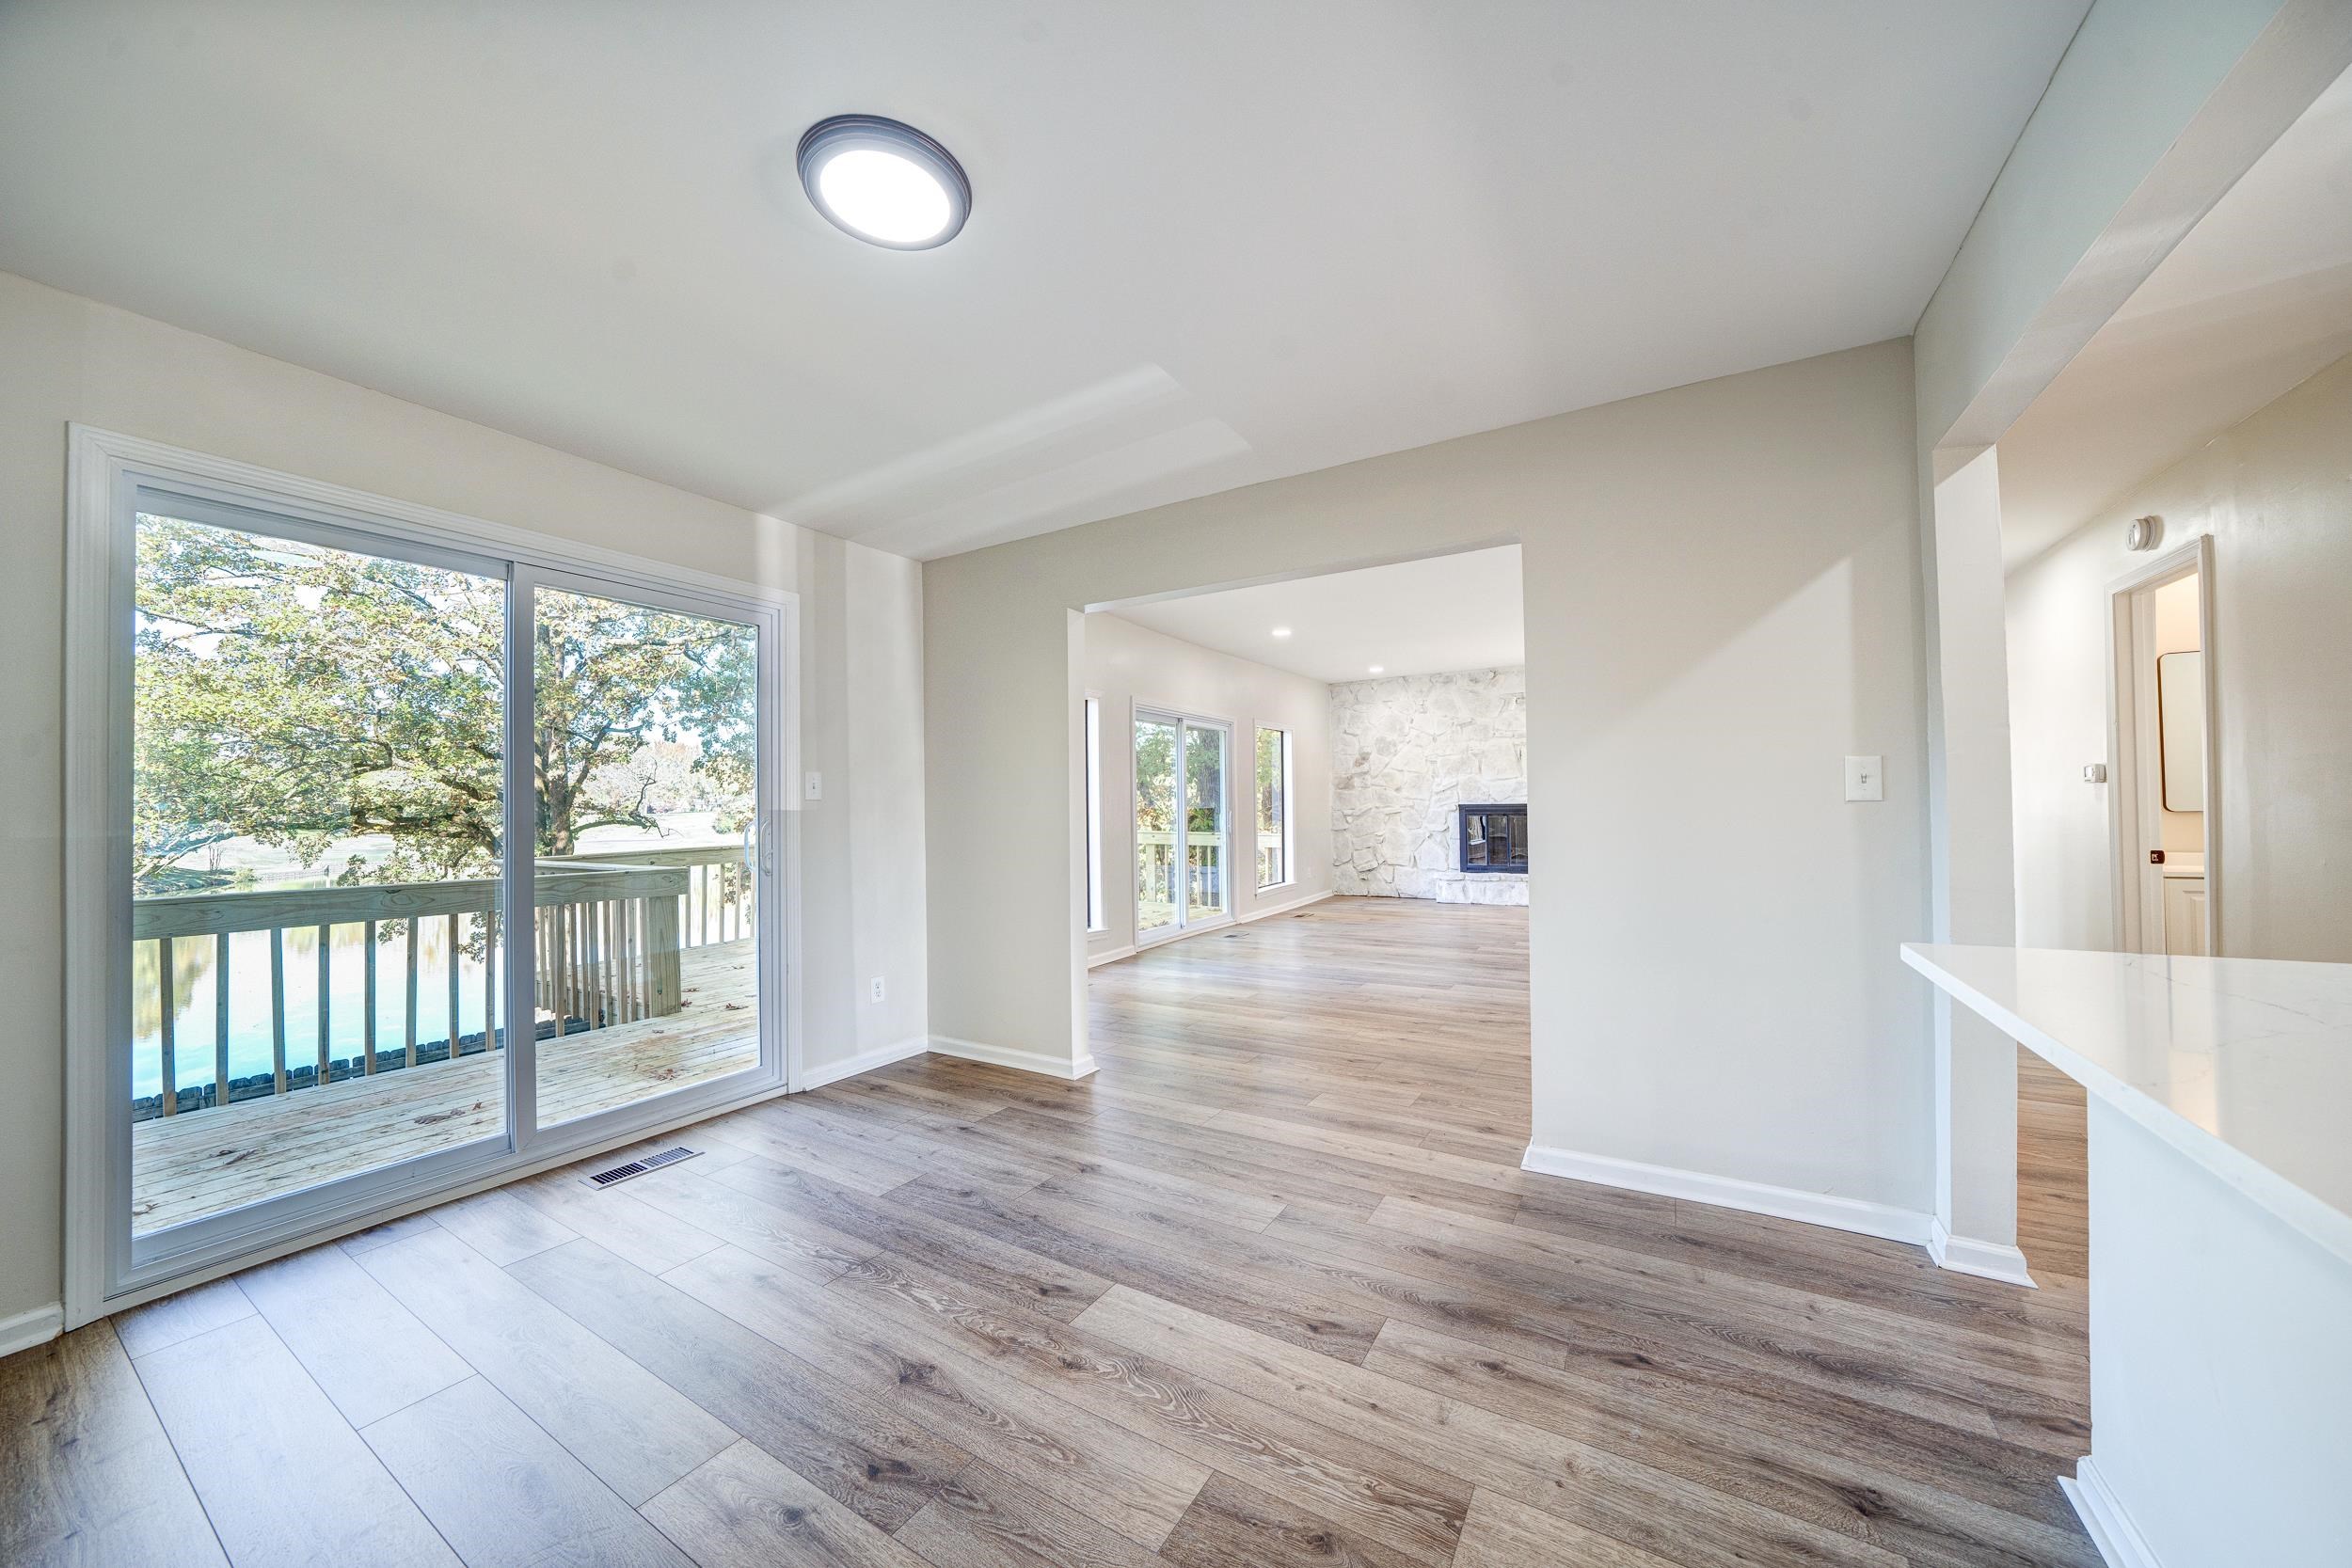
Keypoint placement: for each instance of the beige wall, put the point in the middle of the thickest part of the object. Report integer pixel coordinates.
(2276, 493)
(1721, 602)
(1127, 665)
(66, 358)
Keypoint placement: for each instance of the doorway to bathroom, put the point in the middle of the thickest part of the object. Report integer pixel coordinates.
(2162, 796)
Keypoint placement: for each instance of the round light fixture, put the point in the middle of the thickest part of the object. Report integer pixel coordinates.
(1378, 667)
(1281, 631)
(887, 184)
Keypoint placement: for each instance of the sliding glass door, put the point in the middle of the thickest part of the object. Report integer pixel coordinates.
(317, 801)
(425, 863)
(1158, 830)
(645, 757)
(1205, 857)
(1181, 872)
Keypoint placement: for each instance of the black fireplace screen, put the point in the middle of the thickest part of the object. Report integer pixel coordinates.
(1493, 837)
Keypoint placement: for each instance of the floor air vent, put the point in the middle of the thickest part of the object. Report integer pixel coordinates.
(639, 1167)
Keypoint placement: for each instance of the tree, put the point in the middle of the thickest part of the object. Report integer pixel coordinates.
(614, 679)
(1156, 776)
(298, 695)
(1270, 780)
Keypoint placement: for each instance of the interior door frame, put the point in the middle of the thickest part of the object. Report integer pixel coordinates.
(1182, 925)
(2131, 703)
(106, 471)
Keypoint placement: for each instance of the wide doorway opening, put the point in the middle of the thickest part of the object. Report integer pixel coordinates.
(1309, 843)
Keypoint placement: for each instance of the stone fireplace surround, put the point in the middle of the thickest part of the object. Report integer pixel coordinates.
(1406, 750)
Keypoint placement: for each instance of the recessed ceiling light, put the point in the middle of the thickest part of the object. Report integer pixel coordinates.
(887, 184)
(1281, 631)
(1378, 667)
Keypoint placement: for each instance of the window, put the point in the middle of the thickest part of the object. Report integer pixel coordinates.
(1274, 808)
(1094, 814)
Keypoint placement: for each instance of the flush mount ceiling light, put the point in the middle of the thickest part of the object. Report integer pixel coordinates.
(1378, 667)
(887, 184)
(1281, 631)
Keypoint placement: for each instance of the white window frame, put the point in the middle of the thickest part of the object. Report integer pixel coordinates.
(105, 473)
(1098, 919)
(1282, 827)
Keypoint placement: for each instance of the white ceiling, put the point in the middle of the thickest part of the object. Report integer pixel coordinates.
(2255, 299)
(1414, 618)
(1212, 242)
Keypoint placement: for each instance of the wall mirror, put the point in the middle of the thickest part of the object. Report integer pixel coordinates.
(2181, 724)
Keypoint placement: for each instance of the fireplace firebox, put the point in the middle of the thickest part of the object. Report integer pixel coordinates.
(1492, 838)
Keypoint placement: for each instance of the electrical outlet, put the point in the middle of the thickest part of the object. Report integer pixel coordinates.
(1864, 781)
(878, 988)
(813, 787)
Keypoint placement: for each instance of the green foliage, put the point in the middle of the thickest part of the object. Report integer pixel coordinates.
(1204, 764)
(297, 696)
(1270, 780)
(613, 680)
(1155, 778)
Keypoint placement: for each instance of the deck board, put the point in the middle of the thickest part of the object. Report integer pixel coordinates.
(204, 1161)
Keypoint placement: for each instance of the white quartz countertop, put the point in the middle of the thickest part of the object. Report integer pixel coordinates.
(2244, 1065)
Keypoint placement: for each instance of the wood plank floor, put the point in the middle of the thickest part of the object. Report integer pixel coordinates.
(1269, 1288)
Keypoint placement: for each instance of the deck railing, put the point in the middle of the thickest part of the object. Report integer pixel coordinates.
(1156, 878)
(608, 931)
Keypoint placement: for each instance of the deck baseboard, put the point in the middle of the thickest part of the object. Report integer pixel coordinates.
(1857, 1216)
(1985, 1260)
(1001, 1056)
(864, 1061)
(2100, 1511)
(27, 1329)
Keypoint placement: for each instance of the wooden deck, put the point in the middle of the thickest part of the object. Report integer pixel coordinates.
(202, 1163)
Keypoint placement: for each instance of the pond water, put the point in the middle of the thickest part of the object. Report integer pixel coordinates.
(195, 993)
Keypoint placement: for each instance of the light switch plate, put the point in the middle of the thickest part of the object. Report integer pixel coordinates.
(813, 787)
(1864, 778)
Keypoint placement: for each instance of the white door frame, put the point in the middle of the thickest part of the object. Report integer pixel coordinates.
(106, 471)
(1182, 925)
(2131, 707)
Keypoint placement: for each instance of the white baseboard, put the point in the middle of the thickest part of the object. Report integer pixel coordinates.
(1095, 961)
(864, 1061)
(27, 1329)
(1027, 1061)
(1985, 1260)
(1272, 911)
(1726, 1192)
(2100, 1511)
